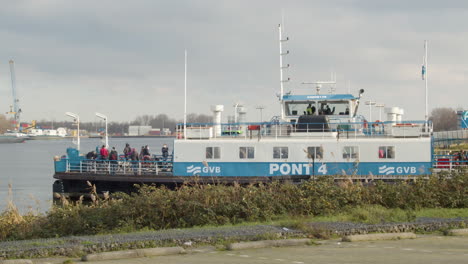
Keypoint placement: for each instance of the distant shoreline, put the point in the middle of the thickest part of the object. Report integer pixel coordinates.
(170, 136)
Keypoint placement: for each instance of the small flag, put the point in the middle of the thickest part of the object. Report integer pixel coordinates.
(423, 72)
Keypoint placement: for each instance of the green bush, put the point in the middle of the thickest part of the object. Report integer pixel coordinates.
(154, 208)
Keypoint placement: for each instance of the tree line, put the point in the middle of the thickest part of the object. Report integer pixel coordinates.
(155, 121)
(444, 119)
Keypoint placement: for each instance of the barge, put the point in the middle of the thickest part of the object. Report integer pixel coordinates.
(316, 134)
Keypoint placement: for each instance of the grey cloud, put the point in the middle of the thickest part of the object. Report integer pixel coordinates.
(127, 58)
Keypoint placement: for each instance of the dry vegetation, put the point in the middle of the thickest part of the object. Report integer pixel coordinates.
(4, 124)
(198, 205)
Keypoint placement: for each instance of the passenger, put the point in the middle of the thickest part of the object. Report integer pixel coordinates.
(134, 155)
(91, 155)
(142, 150)
(104, 153)
(328, 110)
(313, 110)
(113, 157)
(127, 150)
(347, 111)
(145, 151)
(165, 152)
(309, 109)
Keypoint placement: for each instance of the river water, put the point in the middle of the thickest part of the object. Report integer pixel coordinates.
(29, 167)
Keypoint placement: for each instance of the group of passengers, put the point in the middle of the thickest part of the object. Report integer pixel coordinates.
(324, 110)
(460, 157)
(129, 154)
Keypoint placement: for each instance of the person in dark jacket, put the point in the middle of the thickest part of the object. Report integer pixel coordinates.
(127, 150)
(165, 152)
(113, 157)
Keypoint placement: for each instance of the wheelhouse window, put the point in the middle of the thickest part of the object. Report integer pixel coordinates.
(333, 108)
(280, 152)
(350, 152)
(213, 152)
(315, 152)
(246, 152)
(298, 108)
(386, 152)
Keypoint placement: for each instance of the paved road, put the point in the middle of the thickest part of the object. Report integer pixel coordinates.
(428, 249)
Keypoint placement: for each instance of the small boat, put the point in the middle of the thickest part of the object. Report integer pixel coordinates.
(10, 137)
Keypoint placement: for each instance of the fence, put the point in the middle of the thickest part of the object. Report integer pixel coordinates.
(120, 167)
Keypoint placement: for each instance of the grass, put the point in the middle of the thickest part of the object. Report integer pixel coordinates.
(443, 212)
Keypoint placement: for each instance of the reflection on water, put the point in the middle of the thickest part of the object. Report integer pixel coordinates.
(29, 166)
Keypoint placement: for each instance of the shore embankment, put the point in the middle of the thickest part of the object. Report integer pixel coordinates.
(220, 237)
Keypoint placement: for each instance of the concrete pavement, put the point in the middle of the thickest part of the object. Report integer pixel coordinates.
(426, 249)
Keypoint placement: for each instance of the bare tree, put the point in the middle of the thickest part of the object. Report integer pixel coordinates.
(199, 118)
(4, 124)
(444, 119)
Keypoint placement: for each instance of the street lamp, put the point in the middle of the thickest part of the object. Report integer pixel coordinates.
(370, 104)
(380, 106)
(105, 119)
(77, 121)
(260, 107)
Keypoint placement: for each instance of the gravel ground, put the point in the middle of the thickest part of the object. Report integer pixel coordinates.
(75, 246)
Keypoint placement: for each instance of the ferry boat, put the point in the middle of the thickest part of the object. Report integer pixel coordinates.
(316, 134)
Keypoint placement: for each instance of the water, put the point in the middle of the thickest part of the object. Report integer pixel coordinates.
(29, 167)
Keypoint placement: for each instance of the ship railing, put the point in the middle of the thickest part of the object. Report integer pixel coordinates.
(120, 167)
(450, 162)
(254, 130)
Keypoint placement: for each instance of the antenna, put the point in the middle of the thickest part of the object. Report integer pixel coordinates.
(282, 81)
(318, 84)
(333, 85)
(185, 98)
(425, 80)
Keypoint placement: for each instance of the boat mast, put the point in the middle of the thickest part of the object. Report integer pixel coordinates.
(282, 81)
(425, 81)
(185, 98)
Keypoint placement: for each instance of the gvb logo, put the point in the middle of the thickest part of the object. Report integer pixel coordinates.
(193, 170)
(386, 170)
(399, 170)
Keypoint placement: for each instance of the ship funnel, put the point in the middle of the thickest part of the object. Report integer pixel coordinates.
(217, 109)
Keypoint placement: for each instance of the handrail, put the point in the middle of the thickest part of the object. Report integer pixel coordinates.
(413, 128)
(119, 167)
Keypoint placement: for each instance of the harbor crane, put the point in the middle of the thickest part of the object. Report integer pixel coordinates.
(15, 110)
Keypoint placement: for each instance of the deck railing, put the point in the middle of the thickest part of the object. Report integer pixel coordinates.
(120, 167)
(450, 162)
(254, 130)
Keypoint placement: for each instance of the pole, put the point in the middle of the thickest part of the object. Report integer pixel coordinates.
(107, 137)
(185, 98)
(425, 82)
(78, 134)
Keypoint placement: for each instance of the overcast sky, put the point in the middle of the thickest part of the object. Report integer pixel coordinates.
(126, 58)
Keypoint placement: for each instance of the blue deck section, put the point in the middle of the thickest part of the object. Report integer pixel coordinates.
(320, 97)
(237, 169)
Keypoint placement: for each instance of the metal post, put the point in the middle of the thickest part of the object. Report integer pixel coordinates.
(185, 98)
(105, 120)
(425, 84)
